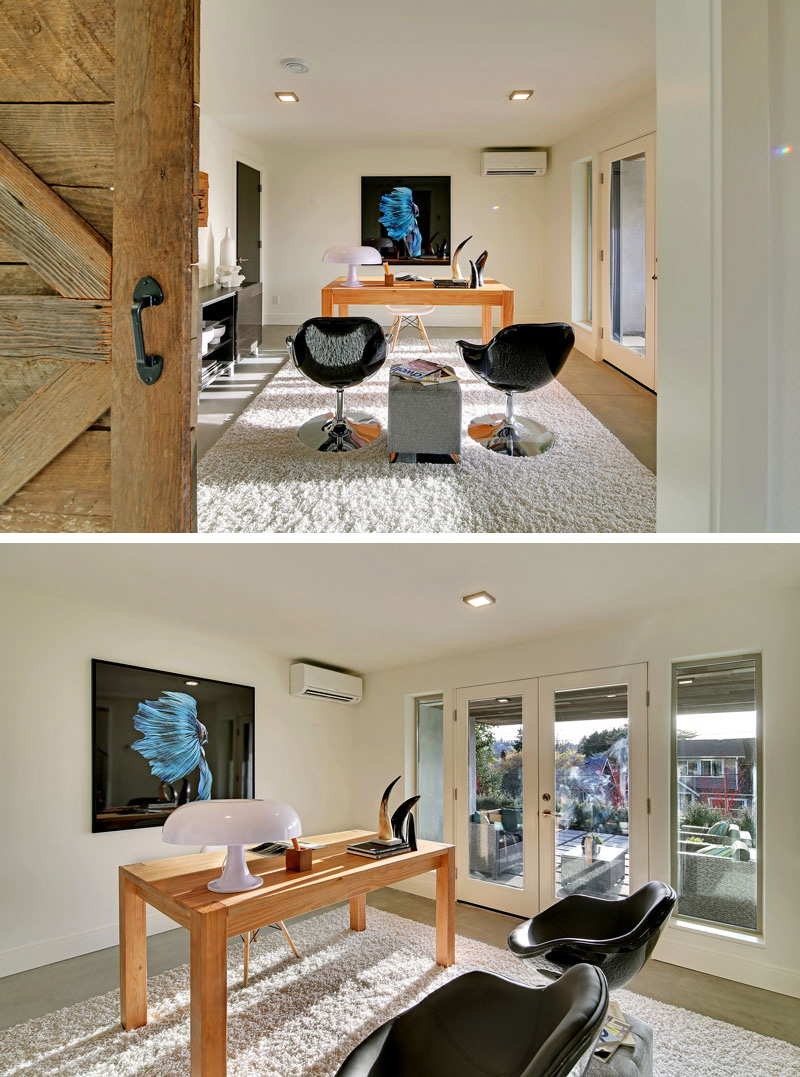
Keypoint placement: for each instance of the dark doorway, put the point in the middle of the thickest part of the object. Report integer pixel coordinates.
(248, 221)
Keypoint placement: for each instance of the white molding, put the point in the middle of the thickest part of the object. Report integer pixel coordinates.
(36, 954)
(707, 955)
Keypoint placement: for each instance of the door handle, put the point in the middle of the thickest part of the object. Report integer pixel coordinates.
(147, 293)
(551, 814)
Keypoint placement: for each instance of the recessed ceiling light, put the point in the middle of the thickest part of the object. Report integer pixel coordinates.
(192, 684)
(520, 95)
(287, 97)
(611, 695)
(503, 701)
(480, 598)
(689, 681)
(295, 65)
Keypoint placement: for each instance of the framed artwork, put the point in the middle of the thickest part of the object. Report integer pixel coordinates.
(407, 218)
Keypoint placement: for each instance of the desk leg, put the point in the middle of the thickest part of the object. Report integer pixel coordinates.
(344, 310)
(446, 910)
(132, 956)
(507, 310)
(358, 913)
(327, 303)
(209, 998)
(486, 323)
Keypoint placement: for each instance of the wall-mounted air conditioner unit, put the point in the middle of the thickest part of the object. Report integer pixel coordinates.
(318, 683)
(514, 163)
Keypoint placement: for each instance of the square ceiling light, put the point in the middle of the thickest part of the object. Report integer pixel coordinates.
(480, 598)
(520, 95)
(287, 97)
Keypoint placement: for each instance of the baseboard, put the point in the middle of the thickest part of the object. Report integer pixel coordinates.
(47, 952)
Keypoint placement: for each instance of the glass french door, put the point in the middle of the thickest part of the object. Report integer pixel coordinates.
(551, 790)
(628, 259)
(496, 745)
(593, 782)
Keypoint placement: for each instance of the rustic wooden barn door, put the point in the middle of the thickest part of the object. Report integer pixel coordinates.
(97, 172)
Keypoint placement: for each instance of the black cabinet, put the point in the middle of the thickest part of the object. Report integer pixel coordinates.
(237, 312)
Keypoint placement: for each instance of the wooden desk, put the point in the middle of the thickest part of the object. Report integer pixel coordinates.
(177, 887)
(376, 294)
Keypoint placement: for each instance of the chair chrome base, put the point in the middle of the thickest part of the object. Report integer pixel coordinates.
(326, 433)
(517, 437)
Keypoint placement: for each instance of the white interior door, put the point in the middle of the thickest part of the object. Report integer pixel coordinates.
(496, 796)
(593, 783)
(628, 259)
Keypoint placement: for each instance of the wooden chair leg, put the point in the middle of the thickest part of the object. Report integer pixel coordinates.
(423, 333)
(288, 938)
(396, 331)
(246, 957)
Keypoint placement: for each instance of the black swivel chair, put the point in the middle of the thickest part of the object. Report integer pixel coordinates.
(615, 936)
(481, 1024)
(338, 352)
(519, 359)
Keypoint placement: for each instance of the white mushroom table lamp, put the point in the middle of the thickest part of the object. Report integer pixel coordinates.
(352, 257)
(234, 823)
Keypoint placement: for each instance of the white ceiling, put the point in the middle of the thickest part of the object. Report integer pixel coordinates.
(369, 606)
(423, 72)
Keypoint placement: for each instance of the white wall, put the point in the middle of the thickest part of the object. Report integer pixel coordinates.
(314, 200)
(636, 118)
(220, 149)
(58, 881)
(767, 622)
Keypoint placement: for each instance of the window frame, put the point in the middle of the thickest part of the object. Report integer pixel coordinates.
(428, 698)
(685, 665)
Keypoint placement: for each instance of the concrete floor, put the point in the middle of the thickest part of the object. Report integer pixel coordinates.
(64, 983)
(624, 407)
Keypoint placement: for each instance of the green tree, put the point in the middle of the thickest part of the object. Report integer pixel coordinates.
(599, 742)
(487, 771)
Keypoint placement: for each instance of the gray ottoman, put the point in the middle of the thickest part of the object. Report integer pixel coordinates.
(424, 422)
(624, 1062)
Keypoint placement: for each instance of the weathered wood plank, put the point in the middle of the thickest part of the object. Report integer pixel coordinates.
(94, 204)
(77, 483)
(49, 421)
(22, 280)
(57, 50)
(7, 252)
(19, 379)
(151, 437)
(49, 235)
(49, 327)
(19, 521)
(71, 145)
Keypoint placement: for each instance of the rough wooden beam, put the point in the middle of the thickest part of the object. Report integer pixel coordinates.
(20, 279)
(49, 235)
(94, 204)
(62, 144)
(49, 421)
(57, 50)
(19, 379)
(49, 327)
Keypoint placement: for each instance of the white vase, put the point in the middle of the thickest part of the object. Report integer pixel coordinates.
(227, 249)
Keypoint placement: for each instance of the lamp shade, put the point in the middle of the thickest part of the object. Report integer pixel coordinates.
(231, 822)
(352, 257)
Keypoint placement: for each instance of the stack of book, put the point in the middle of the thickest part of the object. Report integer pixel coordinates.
(376, 850)
(424, 372)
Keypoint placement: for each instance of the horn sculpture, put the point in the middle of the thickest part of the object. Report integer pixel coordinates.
(385, 830)
(399, 818)
(480, 262)
(456, 252)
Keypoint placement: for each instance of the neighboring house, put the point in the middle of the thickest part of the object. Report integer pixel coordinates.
(717, 771)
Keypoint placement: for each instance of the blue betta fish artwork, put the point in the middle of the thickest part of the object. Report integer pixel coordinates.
(398, 215)
(173, 739)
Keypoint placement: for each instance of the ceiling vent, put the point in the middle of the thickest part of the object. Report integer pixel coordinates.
(319, 683)
(295, 65)
(514, 163)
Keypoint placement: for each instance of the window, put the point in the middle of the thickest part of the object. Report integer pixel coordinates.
(716, 790)
(582, 242)
(430, 768)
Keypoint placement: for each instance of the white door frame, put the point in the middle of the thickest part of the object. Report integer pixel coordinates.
(509, 899)
(642, 368)
(635, 676)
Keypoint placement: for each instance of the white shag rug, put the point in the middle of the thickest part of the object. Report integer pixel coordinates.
(302, 1018)
(260, 478)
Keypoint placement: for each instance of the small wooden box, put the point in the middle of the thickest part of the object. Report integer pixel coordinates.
(298, 859)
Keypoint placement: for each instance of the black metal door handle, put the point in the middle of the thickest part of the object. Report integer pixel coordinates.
(147, 293)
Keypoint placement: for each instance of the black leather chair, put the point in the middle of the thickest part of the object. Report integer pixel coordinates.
(615, 936)
(519, 359)
(481, 1024)
(338, 352)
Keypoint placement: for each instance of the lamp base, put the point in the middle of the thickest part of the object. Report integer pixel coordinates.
(352, 280)
(236, 877)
